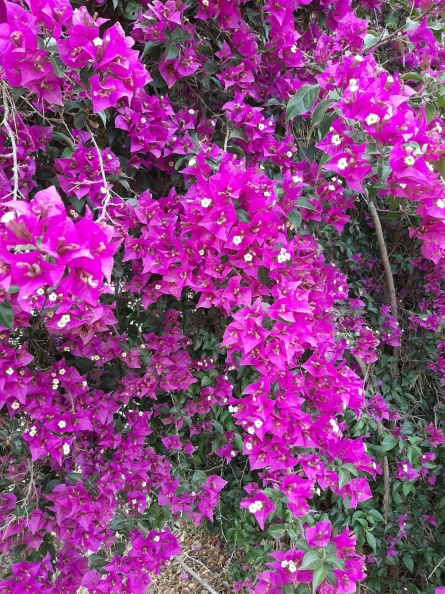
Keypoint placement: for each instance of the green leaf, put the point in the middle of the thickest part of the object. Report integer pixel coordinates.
(6, 315)
(335, 561)
(276, 531)
(74, 478)
(320, 575)
(295, 218)
(132, 10)
(344, 477)
(370, 40)
(320, 111)
(383, 169)
(303, 203)
(80, 119)
(412, 76)
(409, 563)
(370, 539)
(172, 51)
(352, 469)
(430, 112)
(302, 101)
(388, 442)
(242, 215)
(311, 560)
(238, 133)
(263, 275)
(373, 513)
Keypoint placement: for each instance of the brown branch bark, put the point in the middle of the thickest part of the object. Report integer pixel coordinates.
(384, 255)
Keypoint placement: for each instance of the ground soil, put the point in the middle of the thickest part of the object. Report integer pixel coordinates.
(203, 552)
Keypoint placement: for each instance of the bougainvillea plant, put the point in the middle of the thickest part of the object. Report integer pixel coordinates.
(222, 292)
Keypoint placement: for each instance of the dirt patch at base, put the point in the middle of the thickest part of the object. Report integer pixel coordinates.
(206, 555)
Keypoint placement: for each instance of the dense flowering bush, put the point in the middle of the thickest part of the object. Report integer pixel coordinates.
(222, 301)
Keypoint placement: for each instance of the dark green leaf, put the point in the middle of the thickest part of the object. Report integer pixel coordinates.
(242, 215)
(6, 315)
(302, 101)
(132, 10)
(430, 112)
(344, 477)
(320, 574)
(311, 560)
(412, 76)
(171, 51)
(80, 119)
(370, 539)
(408, 561)
(320, 111)
(295, 218)
(388, 442)
(383, 169)
(237, 133)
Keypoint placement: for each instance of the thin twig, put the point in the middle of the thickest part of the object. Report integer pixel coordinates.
(15, 165)
(437, 567)
(384, 255)
(194, 575)
(106, 189)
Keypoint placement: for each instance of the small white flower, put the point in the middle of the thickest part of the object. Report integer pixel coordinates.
(62, 424)
(292, 567)
(15, 405)
(289, 154)
(52, 297)
(358, 58)
(373, 118)
(342, 163)
(410, 160)
(237, 239)
(97, 42)
(261, 126)
(248, 257)
(353, 87)
(10, 371)
(191, 111)
(40, 291)
(143, 120)
(66, 449)
(134, 501)
(192, 162)
(33, 431)
(336, 139)
(249, 446)
(258, 423)
(297, 179)
(250, 430)
(284, 563)
(156, 539)
(405, 467)
(441, 203)
(293, 49)
(233, 453)
(157, 287)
